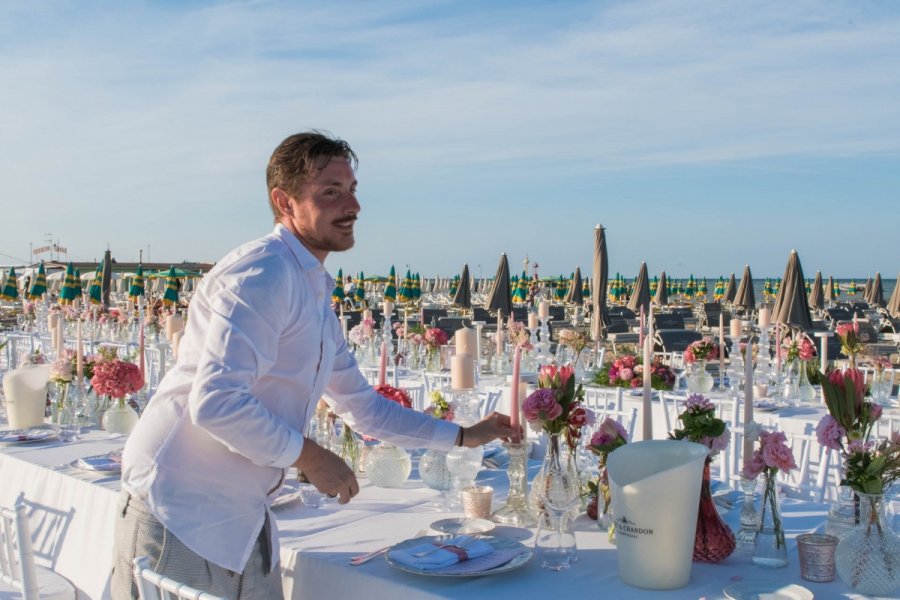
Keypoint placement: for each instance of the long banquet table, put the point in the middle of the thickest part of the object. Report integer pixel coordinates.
(72, 516)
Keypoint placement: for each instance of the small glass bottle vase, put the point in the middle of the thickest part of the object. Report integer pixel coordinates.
(770, 549)
(868, 558)
(713, 541)
(119, 417)
(700, 381)
(558, 495)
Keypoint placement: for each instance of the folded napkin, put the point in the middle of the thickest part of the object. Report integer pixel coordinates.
(102, 462)
(448, 552)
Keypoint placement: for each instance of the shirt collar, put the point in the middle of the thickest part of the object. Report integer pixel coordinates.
(304, 257)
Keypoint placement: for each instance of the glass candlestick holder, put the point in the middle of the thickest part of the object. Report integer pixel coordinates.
(517, 510)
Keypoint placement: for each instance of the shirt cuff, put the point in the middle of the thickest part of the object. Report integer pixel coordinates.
(445, 435)
(291, 451)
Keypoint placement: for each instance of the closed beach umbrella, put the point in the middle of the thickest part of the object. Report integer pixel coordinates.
(719, 290)
(730, 290)
(417, 286)
(562, 286)
(463, 295)
(520, 291)
(662, 290)
(816, 294)
(893, 305)
(701, 288)
(95, 291)
(867, 289)
(586, 288)
(390, 289)
(454, 285)
(641, 294)
(828, 290)
(690, 290)
(654, 283)
(337, 294)
(405, 293)
(599, 275)
(792, 304)
(745, 296)
(852, 289)
(500, 297)
(170, 296)
(137, 284)
(875, 297)
(79, 291)
(106, 279)
(836, 290)
(574, 296)
(39, 287)
(11, 287)
(359, 294)
(67, 293)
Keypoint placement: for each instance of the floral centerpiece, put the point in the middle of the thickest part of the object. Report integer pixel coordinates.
(627, 371)
(363, 333)
(799, 352)
(772, 456)
(701, 351)
(433, 465)
(574, 340)
(116, 378)
(388, 465)
(851, 345)
(518, 335)
(439, 407)
(713, 541)
(556, 406)
(434, 339)
(610, 435)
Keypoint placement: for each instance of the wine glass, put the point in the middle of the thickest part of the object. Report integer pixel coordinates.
(676, 363)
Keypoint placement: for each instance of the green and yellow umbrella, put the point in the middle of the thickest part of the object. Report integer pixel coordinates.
(561, 288)
(586, 288)
(136, 289)
(690, 290)
(852, 290)
(95, 291)
(11, 289)
(836, 289)
(337, 294)
(654, 283)
(39, 287)
(767, 288)
(701, 287)
(359, 294)
(405, 293)
(417, 286)
(79, 291)
(67, 293)
(520, 293)
(170, 296)
(808, 287)
(719, 290)
(390, 290)
(454, 285)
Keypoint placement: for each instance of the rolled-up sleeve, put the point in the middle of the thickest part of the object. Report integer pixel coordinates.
(247, 314)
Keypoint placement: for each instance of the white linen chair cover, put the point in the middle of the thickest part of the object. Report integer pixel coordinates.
(153, 586)
(17, 567)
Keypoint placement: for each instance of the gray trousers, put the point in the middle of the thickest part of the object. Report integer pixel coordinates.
(139, 533)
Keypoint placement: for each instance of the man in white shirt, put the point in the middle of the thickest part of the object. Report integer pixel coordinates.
(261, 346)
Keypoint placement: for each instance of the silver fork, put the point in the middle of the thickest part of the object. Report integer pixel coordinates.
(364, 558)
(462, 544)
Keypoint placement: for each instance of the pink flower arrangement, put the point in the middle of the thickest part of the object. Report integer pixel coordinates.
(541, 407)
(556, 406)
(439, 407)
(394, 394)
(829, 433)
(435, 338)
(362, 333)
(609, 436)
(61, 371)
(700, 425)
(627, 371)
(573, 339)
(703, 349)
(849, 336)
(794, 349)
(772, 455)
(518, 334)
(116, 378)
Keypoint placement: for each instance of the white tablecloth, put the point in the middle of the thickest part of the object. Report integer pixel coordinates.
(72, 516)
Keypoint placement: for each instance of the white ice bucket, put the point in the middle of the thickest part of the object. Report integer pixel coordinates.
(25, 389)
(655, 487)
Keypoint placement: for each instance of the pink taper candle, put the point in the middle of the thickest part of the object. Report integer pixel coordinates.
(641, 329)
(778, 345)
(721, 351)
(141, 336)
(79, 353)
(514, 397)
(382, 365)
(499, 334)
(748, 400)
(647, 408)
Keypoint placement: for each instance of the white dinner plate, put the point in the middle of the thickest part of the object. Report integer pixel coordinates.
(520, 555)
(760, 589)
(463, 526)
(30, 435)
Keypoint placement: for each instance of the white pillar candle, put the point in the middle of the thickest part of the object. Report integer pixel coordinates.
(764, 317)
(382, 364)
(647, 408)
(79, 354)
(367, 314)
(748, 400)
(721, 351)
(533, 321)
(544, 309)
(464, 339)
(499, 334)
(60, 332)
(514, 397)
(141, 343)
(735, 327)
(388, 307)
(462, 372)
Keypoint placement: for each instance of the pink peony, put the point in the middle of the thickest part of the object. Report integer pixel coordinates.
(830, 433)
(626, 374)
(754, 466)
(541, 406)
(116, 378)
(689, 357)
(806, 350)
(777, 455)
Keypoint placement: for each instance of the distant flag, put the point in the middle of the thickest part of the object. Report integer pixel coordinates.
(39, 287)
(136, 290)
(170, 296)
(11, 289)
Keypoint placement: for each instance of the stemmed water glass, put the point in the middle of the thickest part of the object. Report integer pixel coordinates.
(676, 363)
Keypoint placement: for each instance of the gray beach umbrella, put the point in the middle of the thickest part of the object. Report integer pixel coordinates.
(662, 290)
(574, 295)
(893, 305)
(791, 304)
(463, 295)
(500, 296)
(599, 276)
(641, 294)
(816, 294)
(875, 297)
(829, 290)
(730, 290)
(106, 281)
(867, 288)
(745, 297)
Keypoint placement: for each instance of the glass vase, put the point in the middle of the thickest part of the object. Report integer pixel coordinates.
(700, 381)
(119, 417)
(433, 361)
(770, 549)
(713, 541)
(868, 557)
(463, 464)
(843, 514)
(388, 466)
(433, 470)
(605, 521)
(350, 447)
(805, 390)
(558, 495)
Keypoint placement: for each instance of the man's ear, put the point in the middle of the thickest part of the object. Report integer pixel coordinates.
(282, 201)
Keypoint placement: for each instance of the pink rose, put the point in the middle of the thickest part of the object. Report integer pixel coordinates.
(626, 374)
(829, 433)
(541, 406)
(754, 466)
(689, 357)
(807, 350)
(778, 455)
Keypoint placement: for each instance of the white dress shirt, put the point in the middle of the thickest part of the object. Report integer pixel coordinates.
(261, 346)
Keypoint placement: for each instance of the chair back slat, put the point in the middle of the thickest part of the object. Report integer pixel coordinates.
(17, 556)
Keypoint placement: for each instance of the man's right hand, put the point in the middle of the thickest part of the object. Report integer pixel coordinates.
(327, 471)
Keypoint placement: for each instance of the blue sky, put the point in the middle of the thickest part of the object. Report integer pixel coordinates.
(702, 134)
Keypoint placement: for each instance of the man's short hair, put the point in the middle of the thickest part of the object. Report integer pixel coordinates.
(299, 157)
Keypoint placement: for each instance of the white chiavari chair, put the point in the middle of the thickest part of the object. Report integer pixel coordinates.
(153, 586)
